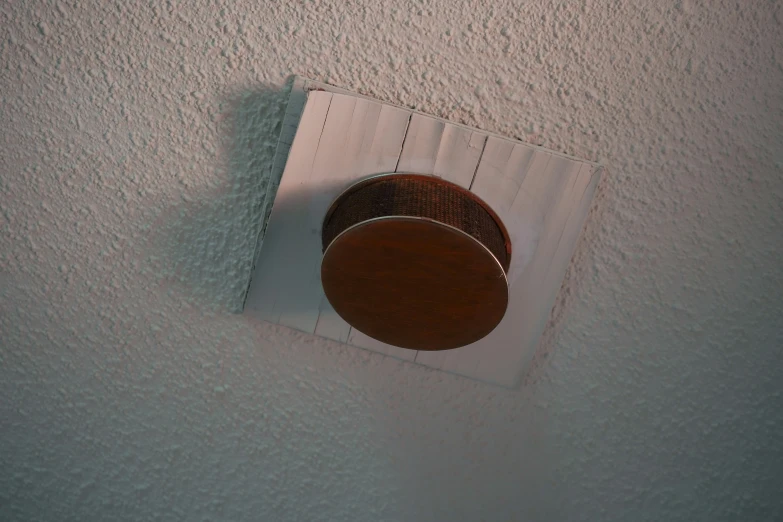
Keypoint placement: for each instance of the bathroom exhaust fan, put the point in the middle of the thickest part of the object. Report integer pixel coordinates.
(415, 237)
(415, 261)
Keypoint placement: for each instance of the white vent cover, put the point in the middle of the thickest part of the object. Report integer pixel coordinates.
(337, 138)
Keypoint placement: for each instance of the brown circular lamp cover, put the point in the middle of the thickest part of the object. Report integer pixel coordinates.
(415, 261)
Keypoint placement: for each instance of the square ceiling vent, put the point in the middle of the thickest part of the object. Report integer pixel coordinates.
(332, 139)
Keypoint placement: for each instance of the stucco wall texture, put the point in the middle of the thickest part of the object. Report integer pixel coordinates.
(134, 141)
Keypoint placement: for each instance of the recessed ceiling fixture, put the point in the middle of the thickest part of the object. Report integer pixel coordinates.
(416, 262)
(392, 230)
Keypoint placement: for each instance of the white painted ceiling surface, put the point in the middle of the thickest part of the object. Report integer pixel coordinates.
(131, 147)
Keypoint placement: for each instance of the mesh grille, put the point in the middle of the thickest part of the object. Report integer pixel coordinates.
(417, 197)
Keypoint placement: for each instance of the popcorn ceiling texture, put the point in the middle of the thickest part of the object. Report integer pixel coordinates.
(134, 141)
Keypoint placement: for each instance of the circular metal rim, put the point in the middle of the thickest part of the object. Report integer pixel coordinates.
(429, 177)
(433, 221)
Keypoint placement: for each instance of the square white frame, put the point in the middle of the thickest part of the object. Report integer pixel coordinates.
(333, 138)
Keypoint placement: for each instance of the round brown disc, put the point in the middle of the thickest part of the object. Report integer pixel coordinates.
(414, 283)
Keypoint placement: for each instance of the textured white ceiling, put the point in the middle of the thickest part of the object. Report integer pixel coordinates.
(131, 145)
